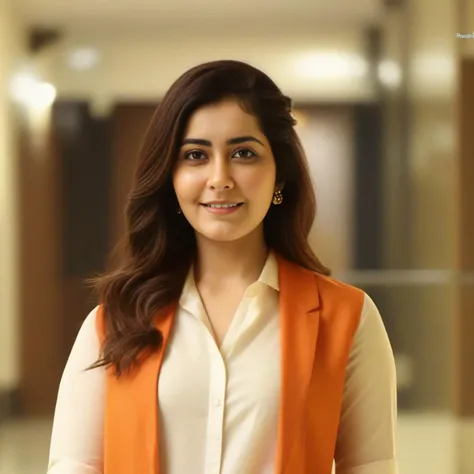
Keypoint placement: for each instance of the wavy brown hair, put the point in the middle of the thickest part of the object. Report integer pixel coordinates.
(159, 244)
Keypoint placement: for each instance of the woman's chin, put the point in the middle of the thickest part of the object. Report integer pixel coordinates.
(222, 233)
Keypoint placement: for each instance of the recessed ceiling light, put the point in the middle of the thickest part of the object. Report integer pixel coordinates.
(331, 65)
(83, 59)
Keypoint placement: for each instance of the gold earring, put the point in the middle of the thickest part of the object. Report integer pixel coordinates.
(277, 198)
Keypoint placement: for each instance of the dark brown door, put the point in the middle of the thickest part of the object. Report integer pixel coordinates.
(72, 193)
(97, 172)
(130, 122)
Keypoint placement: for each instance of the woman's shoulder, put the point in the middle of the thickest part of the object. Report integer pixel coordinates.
(93, 316)
(90, 327)
(86, 347)
(345, 294)
(334, 287)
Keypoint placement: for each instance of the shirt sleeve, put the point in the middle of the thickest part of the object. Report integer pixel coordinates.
(366, 441)
(76, 441)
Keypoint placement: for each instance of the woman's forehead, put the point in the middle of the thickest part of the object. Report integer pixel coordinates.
(222, 119)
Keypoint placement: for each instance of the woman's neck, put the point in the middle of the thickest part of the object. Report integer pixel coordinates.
(220, 264)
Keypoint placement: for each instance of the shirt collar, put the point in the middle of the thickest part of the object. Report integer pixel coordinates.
(269, 277)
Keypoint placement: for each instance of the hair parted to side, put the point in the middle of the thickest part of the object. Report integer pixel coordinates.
(159, 244)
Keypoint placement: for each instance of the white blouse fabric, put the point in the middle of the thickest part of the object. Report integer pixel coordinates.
(219, 407)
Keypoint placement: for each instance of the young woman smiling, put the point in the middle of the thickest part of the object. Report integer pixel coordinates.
(220, 344)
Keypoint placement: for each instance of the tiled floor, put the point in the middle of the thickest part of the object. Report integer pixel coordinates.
(427, 445)
(24, 447)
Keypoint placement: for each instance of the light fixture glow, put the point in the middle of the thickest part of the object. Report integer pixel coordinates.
(28, 90)
(331, 66)
(45, 95)
(390, 74)
(83, 59)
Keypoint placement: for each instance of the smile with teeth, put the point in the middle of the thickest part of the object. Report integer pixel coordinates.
(222, 206)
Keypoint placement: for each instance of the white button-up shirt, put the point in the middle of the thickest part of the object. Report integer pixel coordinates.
(219, 407)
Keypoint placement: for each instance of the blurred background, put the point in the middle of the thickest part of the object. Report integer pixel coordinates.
(384, 96)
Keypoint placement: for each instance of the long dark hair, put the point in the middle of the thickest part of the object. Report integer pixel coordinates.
(159, 244)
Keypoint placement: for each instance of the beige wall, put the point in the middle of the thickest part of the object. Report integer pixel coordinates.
(466, 26)
(433, 83)
(437, 327)
(394, 51)
(10, 49)
(464, 325)
(421, 173)
(433, 171)
(328, 139)
(421, 39)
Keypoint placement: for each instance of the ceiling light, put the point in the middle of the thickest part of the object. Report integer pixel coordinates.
(83, 59)
(29, 90)
(331, 66)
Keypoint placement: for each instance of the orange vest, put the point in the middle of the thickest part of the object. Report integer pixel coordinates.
(319, 317)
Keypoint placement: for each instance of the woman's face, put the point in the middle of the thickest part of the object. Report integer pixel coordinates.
(225, 175)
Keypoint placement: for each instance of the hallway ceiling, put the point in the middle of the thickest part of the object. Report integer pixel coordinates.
(209, 14)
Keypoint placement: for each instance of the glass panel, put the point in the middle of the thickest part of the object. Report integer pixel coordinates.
(419, 320)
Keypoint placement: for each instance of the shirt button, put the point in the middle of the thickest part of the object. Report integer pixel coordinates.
(217, 402)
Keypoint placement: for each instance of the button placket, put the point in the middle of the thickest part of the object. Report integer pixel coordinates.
(215, 426)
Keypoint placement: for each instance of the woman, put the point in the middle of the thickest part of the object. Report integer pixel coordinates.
(221, 345)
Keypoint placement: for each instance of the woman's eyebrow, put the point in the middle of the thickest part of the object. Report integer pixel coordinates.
(231, 141)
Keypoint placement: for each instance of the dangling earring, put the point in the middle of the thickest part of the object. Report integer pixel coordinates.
(277, 198)
(179, 211)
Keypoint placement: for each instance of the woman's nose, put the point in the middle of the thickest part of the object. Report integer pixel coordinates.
(220, 175)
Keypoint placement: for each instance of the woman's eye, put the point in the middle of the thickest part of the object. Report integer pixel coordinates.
(244, 153)
(194, 155)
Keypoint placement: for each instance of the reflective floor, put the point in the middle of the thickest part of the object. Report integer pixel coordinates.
(427, 444)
